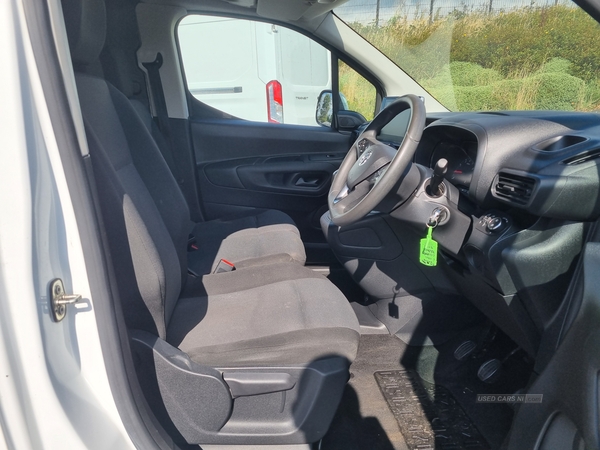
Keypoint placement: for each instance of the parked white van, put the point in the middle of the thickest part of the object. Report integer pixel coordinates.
(254, 70)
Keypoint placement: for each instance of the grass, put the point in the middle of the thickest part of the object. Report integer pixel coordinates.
(358, 91)
(532, 58)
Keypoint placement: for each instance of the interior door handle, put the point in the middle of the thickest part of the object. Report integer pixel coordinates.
(307, 182)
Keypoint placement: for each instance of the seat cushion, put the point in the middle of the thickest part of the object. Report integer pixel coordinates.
(294, 321)
(254, 238)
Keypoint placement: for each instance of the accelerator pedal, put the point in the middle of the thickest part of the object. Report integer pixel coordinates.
(490, 371)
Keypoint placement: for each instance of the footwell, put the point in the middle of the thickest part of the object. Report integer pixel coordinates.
(428, 415)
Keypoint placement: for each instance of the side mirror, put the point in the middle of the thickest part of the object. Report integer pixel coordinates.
(347, 120)
(324, 113)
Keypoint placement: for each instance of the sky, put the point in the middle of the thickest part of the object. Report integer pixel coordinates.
(364, 11)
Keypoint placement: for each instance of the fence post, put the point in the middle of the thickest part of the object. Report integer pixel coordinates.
(431, 11)
(490, 7)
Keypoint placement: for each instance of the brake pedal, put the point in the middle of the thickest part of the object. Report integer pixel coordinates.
(489, 371)
(464, 350)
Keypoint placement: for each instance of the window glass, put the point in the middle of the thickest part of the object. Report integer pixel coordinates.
(359, 94)
(254, 70)
(491, 54)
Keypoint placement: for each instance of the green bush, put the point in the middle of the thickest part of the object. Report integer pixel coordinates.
(445, 95)
(470, 74)
(526, 39)
(474, 98)
(512, 94)
(544, 90)
(557, 65)
(557, 91)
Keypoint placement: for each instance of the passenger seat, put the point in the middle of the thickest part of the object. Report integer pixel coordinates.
(258, 356)
(253, 237)
(256, 237)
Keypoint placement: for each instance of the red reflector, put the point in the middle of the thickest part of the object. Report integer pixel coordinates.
(228, 263)
(274, 102)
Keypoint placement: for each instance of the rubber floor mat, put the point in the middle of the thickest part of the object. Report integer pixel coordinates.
(428, 416)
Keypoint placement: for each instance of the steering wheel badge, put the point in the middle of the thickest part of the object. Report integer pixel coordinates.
(364, 157)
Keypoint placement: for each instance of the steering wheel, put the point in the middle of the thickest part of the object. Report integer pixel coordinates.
(364, 179)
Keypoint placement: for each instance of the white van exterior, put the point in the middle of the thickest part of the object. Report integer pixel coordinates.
(254, 70)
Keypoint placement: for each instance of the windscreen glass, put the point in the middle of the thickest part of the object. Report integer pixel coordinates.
(491, 54)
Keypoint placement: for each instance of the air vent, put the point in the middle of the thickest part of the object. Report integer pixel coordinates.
(582, 157)
(514, 188)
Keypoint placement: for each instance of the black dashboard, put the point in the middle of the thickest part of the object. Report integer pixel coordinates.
(528, 186)
(520, 193)
(547, 163)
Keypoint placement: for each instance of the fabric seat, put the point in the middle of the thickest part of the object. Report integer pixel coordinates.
(257, 315)
(256, 356)
(254, 237)
(284, 322)
(241, 317)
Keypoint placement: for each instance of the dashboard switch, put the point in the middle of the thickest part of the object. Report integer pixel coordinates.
(491, 223)
(494, 223)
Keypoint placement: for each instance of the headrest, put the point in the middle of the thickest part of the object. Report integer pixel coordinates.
(86, 29)
(118, 71)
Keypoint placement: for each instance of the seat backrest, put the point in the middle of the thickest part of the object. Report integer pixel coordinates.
(145, 215)
(117, 68)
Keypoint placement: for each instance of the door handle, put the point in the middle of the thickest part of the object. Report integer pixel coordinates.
(307, 182)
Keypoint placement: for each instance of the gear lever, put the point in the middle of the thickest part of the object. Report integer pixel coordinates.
(439, 171)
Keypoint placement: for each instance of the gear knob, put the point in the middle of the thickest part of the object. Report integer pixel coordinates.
(439, 171)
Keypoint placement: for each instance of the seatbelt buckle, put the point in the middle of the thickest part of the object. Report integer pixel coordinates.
(224, 266)
(192, 246)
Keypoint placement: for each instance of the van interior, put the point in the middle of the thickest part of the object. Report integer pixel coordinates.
(422, 280)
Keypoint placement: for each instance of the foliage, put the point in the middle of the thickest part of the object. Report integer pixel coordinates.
(541, 90)
(557, 65)
(359, 93)
(530, 58)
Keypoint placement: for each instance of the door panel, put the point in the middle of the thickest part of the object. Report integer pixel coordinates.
(296, 174)
(567, 415)
(222, 139)
(245, 165)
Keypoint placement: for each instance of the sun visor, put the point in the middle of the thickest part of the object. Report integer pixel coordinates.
(292, 10)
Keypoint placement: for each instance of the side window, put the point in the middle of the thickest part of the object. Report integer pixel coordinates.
(356, 95)
(254, 70)
(356, 91)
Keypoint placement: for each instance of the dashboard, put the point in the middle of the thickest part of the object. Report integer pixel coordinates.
(546, 163)
(521, 190)
(530, 185)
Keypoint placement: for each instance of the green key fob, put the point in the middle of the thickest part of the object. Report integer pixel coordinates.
(428, 253)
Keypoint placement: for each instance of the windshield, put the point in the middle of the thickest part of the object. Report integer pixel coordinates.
(474, 55)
